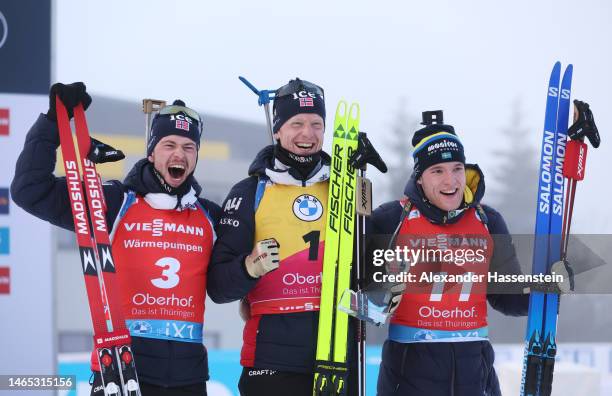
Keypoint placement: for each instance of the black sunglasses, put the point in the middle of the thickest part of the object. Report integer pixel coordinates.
(297, 85)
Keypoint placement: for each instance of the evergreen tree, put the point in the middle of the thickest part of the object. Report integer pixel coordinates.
(514, 196)
(517, 175)
(399, 144)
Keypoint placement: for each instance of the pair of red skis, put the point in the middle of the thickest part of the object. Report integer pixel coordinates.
(112, 340)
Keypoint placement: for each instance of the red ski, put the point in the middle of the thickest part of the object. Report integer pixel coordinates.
(112, 340)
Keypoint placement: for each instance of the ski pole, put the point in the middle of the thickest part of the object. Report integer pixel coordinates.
(365, 154)
(264, 97)
(574, 167)
(364, 194)
(150, 106)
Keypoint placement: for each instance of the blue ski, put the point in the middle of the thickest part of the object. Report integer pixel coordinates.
(540, 337)
(549, 333)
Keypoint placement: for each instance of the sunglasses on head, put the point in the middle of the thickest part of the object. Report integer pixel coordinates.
(297, 85)
(175, 109)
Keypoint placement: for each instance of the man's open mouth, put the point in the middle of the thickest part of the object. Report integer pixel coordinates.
(176, 171)
(449, 193)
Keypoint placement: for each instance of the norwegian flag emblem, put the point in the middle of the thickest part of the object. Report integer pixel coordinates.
(4, 121)
(184, 125)
(306, 102)
(5, 280)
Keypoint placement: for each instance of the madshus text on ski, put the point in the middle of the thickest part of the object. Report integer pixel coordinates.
(289, 243)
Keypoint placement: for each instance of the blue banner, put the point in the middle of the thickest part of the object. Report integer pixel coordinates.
(25, 46)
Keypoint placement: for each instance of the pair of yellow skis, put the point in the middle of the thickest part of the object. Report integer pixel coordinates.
(331, 369)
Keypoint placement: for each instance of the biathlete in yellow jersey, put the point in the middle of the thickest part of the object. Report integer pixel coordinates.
(269, 250)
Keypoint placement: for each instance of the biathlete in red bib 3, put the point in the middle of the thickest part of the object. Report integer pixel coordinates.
(161, 233)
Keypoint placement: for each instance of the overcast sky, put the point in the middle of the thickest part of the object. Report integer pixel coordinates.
(472, 59)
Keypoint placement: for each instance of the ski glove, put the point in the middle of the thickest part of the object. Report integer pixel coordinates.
(584, 124)
(374, 304)
(366, 154)
(395, 297)
(100, 153)
(562, 268)
(263, 258)
(71, 95)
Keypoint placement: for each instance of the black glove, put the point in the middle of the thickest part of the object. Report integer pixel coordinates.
(71, 95)
(584, 124)
(366, 154)
(99, 152)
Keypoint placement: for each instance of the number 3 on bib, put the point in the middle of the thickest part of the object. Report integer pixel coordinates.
(169, 277)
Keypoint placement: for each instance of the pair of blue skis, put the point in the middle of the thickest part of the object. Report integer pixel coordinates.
(540, 337)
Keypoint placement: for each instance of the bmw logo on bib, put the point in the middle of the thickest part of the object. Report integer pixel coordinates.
(140, 327)
(307, 207)
(423, 335)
